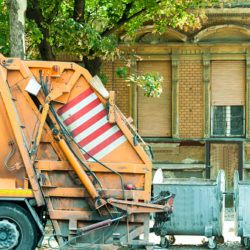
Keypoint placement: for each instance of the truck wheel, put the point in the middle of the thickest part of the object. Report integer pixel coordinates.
(17, 228)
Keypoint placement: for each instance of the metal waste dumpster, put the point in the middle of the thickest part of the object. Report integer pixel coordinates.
(198, 207)
(242, 209)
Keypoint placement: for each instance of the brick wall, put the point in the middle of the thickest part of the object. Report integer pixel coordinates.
(118, 85)
(190, 99)
(107, 69)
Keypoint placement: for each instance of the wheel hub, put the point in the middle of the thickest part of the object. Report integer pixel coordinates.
(8, 235)
(3, 236)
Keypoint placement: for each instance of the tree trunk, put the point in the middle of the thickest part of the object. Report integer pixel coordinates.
(93, 65)
(17, 10)
(45, 48)
(79, 8)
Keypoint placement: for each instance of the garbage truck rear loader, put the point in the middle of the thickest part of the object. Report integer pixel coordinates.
(69, 154)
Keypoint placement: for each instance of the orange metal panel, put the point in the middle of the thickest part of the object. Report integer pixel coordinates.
(7, 183)
(80, 192)
(96, 167)
(5, 93)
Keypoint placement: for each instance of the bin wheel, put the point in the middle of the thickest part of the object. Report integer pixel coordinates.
(242, 241)
(219, 239)
(212, 243)
(17, 228)
(246, 242)
(171, 239)
(164, 242)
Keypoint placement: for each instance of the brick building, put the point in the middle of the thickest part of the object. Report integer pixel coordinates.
(201, 123)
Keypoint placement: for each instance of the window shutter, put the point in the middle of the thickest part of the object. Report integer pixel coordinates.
(228, 83)
(154, 114)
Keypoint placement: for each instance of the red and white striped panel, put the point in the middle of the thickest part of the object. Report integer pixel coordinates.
(86, 119)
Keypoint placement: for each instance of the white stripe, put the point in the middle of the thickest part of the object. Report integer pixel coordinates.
(78, 106)
(101, 138)
(109, 148)
(91, 129)
(85, 117)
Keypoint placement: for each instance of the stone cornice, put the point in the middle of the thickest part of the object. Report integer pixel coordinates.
(210, 12)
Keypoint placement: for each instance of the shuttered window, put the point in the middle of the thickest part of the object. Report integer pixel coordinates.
(154, 114)
(228, 83)
(228, 79)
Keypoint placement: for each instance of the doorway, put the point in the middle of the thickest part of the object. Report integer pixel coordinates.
(227, 157)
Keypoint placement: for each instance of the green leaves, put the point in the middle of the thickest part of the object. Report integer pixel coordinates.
(4, 29)
(67, 35)
(104, 78)
(52, 24)
(149, 82)
(97, 34)
(121, 72)
(86, 38)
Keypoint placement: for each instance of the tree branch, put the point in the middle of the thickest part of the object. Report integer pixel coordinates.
(79, 9)
(35, 14)
(124, 19)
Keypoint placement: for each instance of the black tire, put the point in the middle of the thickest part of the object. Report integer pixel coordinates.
(24, 223)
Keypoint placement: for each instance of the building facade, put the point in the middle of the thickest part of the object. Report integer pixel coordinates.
(201, 122)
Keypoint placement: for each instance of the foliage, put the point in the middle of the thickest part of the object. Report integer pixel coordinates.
(94, 32)
(91, 29)
(80, 39)
(34, 37)
(103, 78)
(122, 72)
(149, 82)
(4, 29)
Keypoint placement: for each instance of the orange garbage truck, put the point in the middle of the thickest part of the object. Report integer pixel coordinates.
(69, 155)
